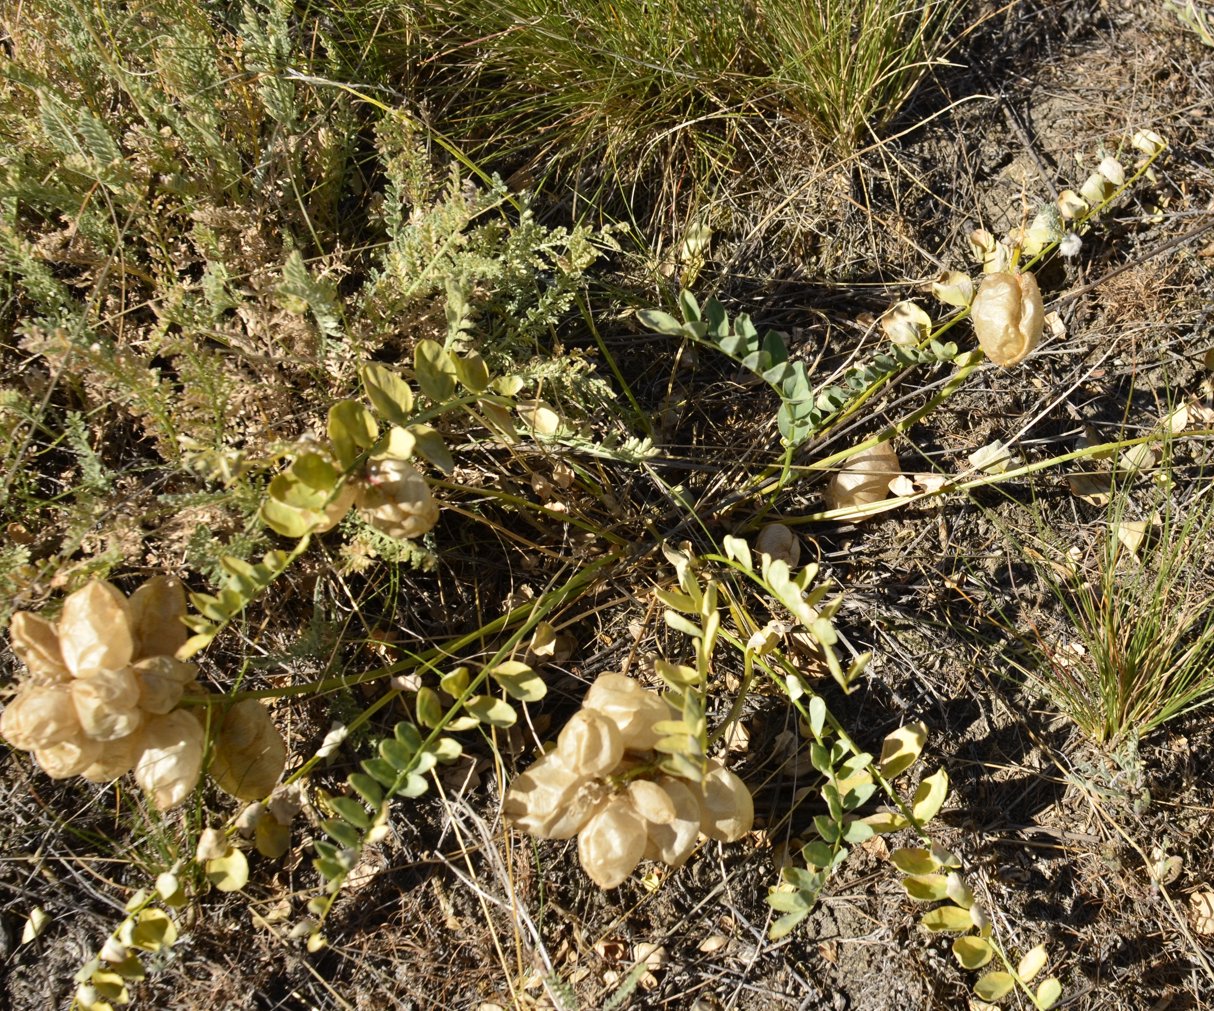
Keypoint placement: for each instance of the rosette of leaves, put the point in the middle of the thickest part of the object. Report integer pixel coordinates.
(103, 691)
(602, 783)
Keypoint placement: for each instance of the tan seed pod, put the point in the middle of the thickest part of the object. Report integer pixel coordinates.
(633, 709)
(40, 716)
(171, 761)
(157, 608)
(249, 753)
(95, 630)
(651, 802)
(1008, 317)
(69, 758)
(672, 842)
(36, 644)
(612, 842)
(864, 478)
(116, 758)
(780, 543)
(590, 744)
(550, 800)
(107, 704)
(905, 324)
(396, 499)
(162, 681)
(727, 809)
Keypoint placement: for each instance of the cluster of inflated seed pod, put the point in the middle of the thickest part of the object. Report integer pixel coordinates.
(313, 495)
(596, 784)
(103, 698)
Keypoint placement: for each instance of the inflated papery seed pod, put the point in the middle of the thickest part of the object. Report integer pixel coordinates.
(612, 842)
(727, 811)
(115, 759)
(630, 707)
(779, 543)
(551, 800)
(171, 761)
(107, 704)
(95, 630)
(249, 753)
(162, 682)
(864, 478)
(651, 802)
(157, 608)
(1008, 317)
(36, 643)
(40, 716)
(70, 757)
(396, 499)
(590, 744)
(673, 841)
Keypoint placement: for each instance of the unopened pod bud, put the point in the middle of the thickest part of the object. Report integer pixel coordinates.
(1008, 317)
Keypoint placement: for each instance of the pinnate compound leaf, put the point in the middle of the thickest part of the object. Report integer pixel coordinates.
(388, 392)
(489, 710)
(926, 887)
(948, 918)
(429, 708)
(785, 925)
(228, 873)
(1032, 963)
(994, 985)
(660, 322)
(519, 681)
(929, 797)
(435, 370)
(914, 860)
(1048, 993)
(352, 429)
(901, 749)
(973, 952)
(381, 771)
